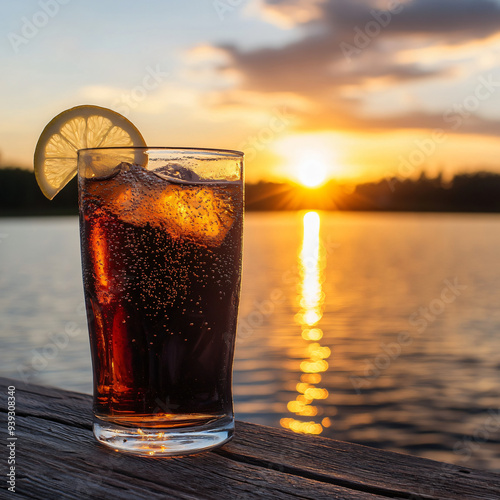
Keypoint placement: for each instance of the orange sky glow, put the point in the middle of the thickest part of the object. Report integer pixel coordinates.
(310, 90)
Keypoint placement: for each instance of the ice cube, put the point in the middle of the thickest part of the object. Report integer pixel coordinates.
(100, 167)
(174, 172)
(106, 174)
(203, 214)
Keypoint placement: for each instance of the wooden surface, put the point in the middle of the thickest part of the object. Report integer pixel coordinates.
(58, 458)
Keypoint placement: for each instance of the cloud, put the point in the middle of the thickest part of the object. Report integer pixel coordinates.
(315, 67)
(290, 13)
(309, 61)
(463, 19)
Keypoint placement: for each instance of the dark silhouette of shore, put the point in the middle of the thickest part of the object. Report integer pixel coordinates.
(20, 195)
(478, 192)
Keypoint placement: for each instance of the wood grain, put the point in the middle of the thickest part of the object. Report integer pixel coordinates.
(58, 458)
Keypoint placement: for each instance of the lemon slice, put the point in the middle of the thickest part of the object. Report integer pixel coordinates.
(56, 153)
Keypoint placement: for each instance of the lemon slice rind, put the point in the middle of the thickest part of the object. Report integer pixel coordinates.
(81, 127)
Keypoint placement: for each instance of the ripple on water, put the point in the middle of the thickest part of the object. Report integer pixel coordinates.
(436, 395)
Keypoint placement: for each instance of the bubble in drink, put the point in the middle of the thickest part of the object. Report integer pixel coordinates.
(161, 265)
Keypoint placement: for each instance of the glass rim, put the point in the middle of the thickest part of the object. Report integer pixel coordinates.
(224, 152)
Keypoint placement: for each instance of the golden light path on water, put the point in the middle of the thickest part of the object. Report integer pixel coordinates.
(310, 300)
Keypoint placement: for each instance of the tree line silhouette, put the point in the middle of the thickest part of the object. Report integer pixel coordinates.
(478, 192)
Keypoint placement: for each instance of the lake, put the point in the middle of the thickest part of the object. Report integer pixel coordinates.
(380, 329)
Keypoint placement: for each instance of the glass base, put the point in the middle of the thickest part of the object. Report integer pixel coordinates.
(164, 442)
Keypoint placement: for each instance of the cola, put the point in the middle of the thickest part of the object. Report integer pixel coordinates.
(161, 260)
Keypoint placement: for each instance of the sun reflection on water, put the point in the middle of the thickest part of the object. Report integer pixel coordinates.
(310, 299)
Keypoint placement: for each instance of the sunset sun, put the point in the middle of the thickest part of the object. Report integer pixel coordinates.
(312, 172)
(310, 159)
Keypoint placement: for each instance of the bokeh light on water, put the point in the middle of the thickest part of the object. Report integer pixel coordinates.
(310, 300)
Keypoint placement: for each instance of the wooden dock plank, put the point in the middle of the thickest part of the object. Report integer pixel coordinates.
(57, 457)
(361, 467)
(68, 457)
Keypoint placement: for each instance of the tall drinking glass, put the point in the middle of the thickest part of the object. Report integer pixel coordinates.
(161, 239)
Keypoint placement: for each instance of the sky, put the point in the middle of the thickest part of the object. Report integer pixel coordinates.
(310, 90)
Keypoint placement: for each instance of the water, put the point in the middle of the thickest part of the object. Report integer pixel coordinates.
(380, 329)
